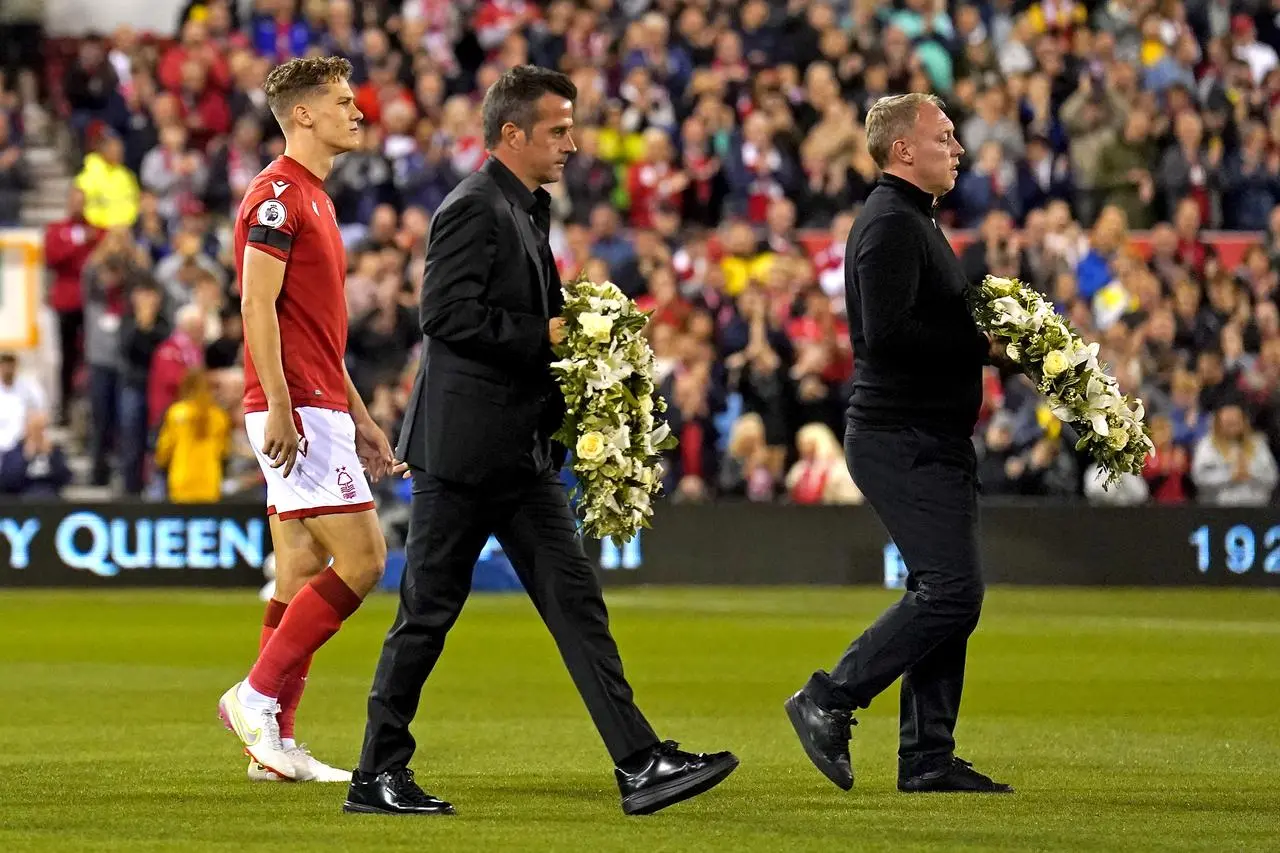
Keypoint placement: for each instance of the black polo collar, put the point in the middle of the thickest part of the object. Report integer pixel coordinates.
(513, 188)
(920, 198)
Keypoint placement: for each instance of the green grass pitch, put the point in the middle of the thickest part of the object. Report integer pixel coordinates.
(1127, 719)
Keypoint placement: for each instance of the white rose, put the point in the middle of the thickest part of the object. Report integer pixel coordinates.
(591, 447)
(1013, 352)
(1001, 286)
(646, 404)
(1055, 361)
(595, 326)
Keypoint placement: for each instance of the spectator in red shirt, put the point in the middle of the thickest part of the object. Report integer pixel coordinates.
(992, 395)
(654, 181)
(691, 466)
(180, 352)
(759, 170)
(195, 45)
(823, 359)
(205, 110)
(67, 246)
(1167, 469)
(820, 474)
(1191, 251)
(820, 329)
(663, 299)
(380, 90)
(494, 20)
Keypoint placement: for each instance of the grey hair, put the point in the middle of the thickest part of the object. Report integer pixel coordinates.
(891, 118)
(189, 314)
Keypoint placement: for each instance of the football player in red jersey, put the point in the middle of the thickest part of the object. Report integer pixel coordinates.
(309, 428)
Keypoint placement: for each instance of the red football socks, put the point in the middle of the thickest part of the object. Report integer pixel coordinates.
(270, 621)
(295, 682)
(315, 614)
(291, 696)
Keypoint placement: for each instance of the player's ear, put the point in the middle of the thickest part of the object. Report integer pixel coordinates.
(302, 115)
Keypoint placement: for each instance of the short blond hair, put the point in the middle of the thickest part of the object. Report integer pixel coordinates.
(891, 118)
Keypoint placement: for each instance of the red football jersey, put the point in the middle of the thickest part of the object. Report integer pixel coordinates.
(287, 214)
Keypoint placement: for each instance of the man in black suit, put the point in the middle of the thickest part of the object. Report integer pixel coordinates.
(476, 437)
(916, 394)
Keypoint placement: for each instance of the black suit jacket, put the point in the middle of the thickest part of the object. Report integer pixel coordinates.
(484, 395)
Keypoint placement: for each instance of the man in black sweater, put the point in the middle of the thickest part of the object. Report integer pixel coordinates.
(917, 389)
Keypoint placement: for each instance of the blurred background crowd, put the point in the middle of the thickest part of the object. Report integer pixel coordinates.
(721, 165)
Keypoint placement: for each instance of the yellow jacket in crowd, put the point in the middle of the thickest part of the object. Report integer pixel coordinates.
(110, 193)
(193, 445)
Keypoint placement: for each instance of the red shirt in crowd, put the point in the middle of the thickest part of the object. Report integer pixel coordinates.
(834, 330)
(177, 354)
(169, 70)
(67, 246)
(812, 483)
(992, 394)
(1166, 474)
(646, 191)
(1193, 253)
(206, 114)
(672, 313)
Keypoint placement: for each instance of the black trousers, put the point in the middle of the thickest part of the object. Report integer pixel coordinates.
(71, 343)
(924, 487)
(449, 525)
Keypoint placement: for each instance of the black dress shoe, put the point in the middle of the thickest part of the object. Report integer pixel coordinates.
(391, 792)
(665, 775)
(957, 777)
(824, 734)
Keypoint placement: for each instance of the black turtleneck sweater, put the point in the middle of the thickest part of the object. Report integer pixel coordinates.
(918, 355)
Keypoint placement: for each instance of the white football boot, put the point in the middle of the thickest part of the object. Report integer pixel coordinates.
(307, 768)
(258, 730)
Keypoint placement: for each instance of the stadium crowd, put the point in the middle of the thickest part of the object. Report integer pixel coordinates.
(715, 139)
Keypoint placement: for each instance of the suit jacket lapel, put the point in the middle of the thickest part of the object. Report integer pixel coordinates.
(524, 224)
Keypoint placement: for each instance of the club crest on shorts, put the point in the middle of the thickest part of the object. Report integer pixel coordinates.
(272, 213)
(346, 485)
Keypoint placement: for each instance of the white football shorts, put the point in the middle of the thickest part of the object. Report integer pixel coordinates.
(327, 477)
